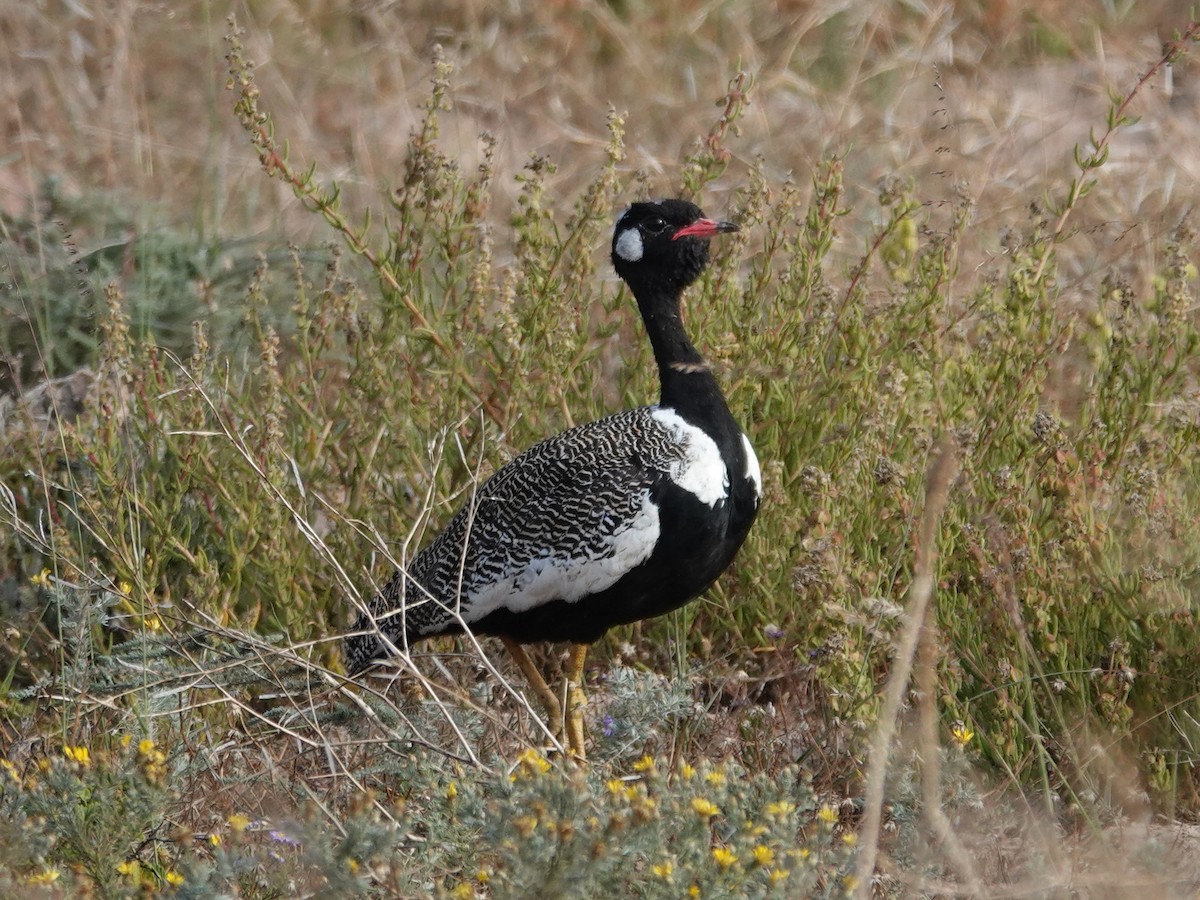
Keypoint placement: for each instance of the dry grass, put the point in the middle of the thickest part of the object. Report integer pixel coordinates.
(113, 100)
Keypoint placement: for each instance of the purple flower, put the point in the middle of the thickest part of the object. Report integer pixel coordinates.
(283, 838)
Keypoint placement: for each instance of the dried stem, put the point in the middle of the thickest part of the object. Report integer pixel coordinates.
(941, 476)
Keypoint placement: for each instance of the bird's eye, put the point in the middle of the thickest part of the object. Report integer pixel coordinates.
(654, 226)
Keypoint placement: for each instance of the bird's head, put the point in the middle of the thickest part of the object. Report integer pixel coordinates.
(661, 247)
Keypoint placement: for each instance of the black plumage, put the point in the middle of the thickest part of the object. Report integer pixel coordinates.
(612, 521)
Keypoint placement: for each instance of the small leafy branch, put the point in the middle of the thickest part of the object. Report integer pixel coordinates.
(1093, 159)
(712, 157)
(275, 162)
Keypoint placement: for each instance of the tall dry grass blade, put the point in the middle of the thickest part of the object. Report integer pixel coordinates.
(942, 473)
(930, 747)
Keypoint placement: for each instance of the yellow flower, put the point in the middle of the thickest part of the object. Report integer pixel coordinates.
(849, 838)
(705, 808)
(663, 870)
(724, 857)
(79, 755)
(694, 890)
(483, 876)
(763, 855)
(827, 814)
(645, 764)
(238, 822)
(41, 579)
(778, 875)
(647, 806)
(352, 865)
(525, 825)
(131, 868)
(532, 762)
(462, 891)
(452, 790)
(615, 786)
(11, 770)
(962, 734)
(46, 876)
(849, 883)
(125, 587)
(780, 809)
(214, 839)
(688, 771)
(715, 778)
(152, 623)
(153, 759)
(173, 878)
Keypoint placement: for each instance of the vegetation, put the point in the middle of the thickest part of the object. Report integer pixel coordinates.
(976, 404)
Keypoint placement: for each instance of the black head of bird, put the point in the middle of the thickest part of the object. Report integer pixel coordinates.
(661, 247)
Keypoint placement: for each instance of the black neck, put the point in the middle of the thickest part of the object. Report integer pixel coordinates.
(688, 385)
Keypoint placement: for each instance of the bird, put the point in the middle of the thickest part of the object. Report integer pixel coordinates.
(612, 521)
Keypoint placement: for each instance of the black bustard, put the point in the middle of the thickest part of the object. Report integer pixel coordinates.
(613, 521)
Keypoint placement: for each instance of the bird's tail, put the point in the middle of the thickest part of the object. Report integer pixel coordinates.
(403, 612)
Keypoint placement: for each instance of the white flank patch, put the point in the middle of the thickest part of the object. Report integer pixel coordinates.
(555, 578)
(753, 472)
(629, 245)
(701, 471)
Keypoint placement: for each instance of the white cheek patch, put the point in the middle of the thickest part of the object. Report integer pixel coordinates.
(753, 472)
(701, 472)
(629, 245)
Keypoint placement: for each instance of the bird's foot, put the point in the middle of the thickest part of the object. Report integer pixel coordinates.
(576, 703)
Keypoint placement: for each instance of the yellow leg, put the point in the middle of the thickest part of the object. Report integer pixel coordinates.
(538, 683)
(576, 701)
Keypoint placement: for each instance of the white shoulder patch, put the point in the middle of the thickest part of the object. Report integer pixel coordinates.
(753, 472)
(629, 245)
(701, 471)
(555, 578)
